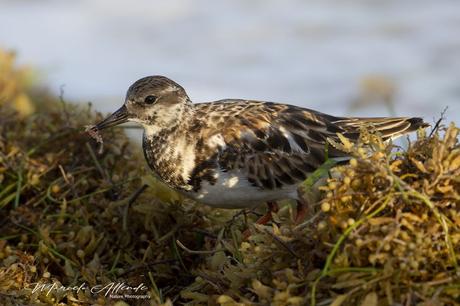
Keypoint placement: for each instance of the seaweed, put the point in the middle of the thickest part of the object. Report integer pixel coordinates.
(94, 133)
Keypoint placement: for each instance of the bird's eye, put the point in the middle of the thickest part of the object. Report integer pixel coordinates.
(150, 99)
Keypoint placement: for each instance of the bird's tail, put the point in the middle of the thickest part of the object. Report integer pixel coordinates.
(389, 128)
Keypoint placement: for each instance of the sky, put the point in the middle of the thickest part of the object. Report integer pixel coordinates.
(324, 54)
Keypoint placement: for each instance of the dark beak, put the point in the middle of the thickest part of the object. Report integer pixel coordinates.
(118, 117)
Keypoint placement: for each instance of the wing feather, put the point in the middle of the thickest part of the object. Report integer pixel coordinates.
(278, 144)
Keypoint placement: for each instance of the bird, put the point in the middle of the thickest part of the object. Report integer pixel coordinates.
(237, 153)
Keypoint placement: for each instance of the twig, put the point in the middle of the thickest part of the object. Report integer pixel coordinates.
(204, 232)
(96, 162)
(277, 239)
(438, 123)
(131, 200)
(176, 252)
(18, 189)
(146, 265)
(64, 108)
(212, 282)
(183, 247)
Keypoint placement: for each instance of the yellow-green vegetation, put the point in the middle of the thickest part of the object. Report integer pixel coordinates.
(13, 84)
(386, 230)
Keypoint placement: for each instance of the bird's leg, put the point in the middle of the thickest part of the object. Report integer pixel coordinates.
(272, 208)
(302, 207)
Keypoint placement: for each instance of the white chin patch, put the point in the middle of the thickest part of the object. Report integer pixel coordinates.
(136, 120)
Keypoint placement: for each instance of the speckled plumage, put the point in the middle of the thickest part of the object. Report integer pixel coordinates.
(259, 151)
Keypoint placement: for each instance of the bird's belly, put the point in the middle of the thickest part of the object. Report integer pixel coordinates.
(232, 190)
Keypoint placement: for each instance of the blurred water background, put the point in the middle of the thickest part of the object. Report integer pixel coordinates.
(345, 57)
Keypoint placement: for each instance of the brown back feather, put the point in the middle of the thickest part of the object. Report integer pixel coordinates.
(278, 144)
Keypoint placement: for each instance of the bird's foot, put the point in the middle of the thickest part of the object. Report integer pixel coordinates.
(267, 217)
(302, 210)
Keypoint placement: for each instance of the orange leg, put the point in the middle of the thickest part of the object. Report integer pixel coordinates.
(302, 210)
(272, 207)
(302, 207)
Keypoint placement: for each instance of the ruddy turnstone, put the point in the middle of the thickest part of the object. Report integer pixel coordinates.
(236, 153)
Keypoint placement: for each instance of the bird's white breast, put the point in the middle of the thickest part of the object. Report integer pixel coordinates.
(232, 190)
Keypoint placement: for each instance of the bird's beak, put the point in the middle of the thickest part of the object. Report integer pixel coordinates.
(118, 117)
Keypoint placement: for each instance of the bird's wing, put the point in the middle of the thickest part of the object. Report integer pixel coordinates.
(278, 144)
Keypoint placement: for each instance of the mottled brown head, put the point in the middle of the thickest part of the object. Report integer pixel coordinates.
(155, 102)
(155, 99)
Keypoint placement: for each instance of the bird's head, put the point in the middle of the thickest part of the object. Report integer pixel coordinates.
(155, 102)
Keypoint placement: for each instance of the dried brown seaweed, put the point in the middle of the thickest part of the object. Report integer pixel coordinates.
(93, 132)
